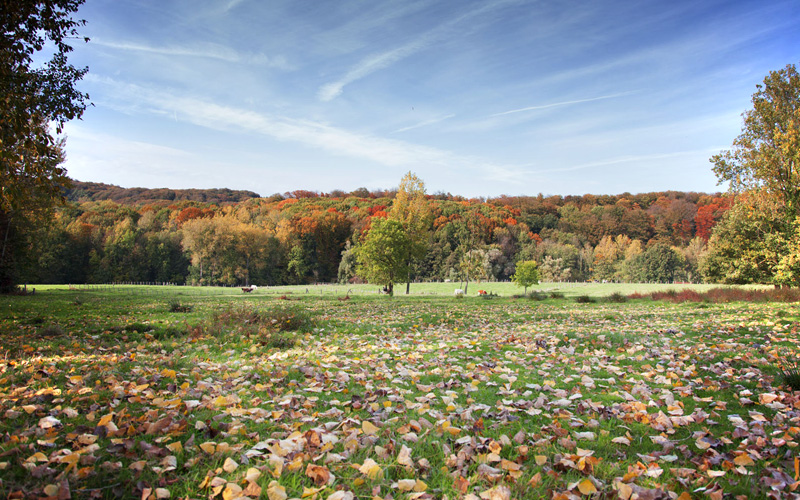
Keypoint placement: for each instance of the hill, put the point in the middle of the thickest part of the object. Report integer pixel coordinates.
(96, 191)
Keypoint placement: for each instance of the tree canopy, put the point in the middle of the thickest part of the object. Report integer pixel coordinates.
(767, 152)
(31, 99)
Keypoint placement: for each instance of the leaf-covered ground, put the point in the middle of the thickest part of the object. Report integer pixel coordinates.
(105, 397)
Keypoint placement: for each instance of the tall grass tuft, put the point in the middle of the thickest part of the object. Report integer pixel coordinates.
(790, 373)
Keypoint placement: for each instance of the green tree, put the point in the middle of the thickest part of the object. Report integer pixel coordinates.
(658, 263)
(410, 208)
(767, 152)
(751, 244)
(527, 274)
(31, 179)
(383, 255)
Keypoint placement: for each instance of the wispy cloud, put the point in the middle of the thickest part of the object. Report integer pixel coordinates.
(377, 62)
(424, 123)
(136, 99)
(562, 103)
(200, 50)
(641, 159)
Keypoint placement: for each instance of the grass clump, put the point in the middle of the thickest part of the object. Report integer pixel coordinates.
(537, 296)
(585, 299)
(790, 374)
(556, 295)
(269, 327)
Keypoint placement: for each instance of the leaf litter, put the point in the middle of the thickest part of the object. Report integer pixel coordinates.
(424, 399)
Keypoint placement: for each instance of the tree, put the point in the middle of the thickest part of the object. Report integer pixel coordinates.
(767, 152)
(658, 263)
(383, 255)
(31, 179)
(410, 208)
(751, 245)
(527, 274)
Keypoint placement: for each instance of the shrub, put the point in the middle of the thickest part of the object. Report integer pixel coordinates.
(51, 331)
(248, 321)
(537, 296)
(584, 299)
(617, 298)
(556, 295)
(176, 307)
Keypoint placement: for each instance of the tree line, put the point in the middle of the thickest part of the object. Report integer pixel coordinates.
(286, 239)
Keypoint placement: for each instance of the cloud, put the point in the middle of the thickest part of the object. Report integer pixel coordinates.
(132, 98)
(424, 123)
(562, 103)
(377, 62)
(629, 159)
(200, 50)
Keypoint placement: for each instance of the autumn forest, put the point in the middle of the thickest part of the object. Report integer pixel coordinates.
(108, 234)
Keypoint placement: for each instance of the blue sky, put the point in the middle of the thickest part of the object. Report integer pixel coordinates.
(478, 98)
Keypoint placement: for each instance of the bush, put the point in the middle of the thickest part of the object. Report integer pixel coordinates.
(617, 297)
(556, 295)
(176, 307)
(584, 299)
(247, 321)
(537, 296)
(51, 331)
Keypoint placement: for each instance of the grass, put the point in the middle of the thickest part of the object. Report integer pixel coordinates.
(517, 397)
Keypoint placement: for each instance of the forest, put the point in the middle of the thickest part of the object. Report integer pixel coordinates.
(105, 234)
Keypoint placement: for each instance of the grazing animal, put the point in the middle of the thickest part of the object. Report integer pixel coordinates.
(458, 292)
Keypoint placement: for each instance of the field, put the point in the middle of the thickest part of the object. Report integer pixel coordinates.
(173, 392)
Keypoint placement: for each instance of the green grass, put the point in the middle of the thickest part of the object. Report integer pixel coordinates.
(509, 393)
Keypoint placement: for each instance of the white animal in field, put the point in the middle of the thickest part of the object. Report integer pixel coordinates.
(458, 292)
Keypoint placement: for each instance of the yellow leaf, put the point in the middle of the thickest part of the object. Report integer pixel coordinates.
(540, 459)
(406, 484)
(175, 447)
(105, 420)
(624, 491)
(370, 469)
(230, 465)
(209, 447)
(232, 490)
(310, 492)
(37, 457)
(369, 428)
(743, 459)
(252, 474)
(51, 490)
(276, 492)
(497, 493)
(586, 487)
(420, 486)
(404, 457)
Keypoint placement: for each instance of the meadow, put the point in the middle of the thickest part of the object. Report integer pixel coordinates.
(173, 392)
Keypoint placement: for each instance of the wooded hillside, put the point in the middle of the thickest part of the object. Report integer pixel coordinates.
(111, 234)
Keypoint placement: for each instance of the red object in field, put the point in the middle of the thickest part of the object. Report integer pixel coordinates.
(481, 292)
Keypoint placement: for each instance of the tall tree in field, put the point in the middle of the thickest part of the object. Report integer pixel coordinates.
(383, 255)
(765, 161)
(30, 98)
(411, 209)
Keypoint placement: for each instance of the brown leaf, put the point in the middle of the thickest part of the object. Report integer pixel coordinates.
(319, 474)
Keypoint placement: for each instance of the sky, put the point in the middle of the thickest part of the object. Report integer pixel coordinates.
(477, 98)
